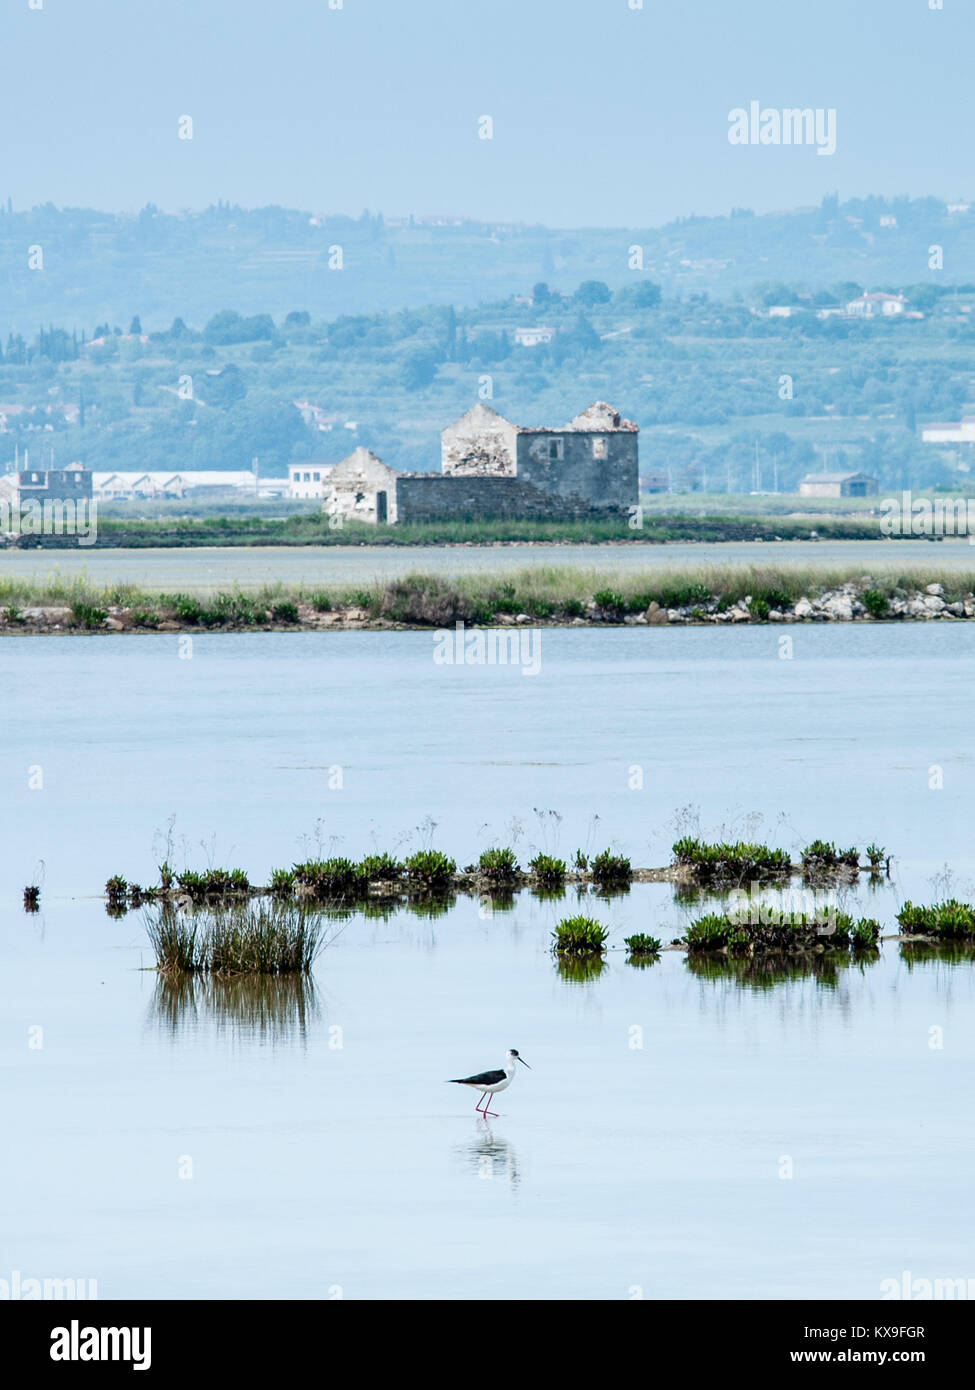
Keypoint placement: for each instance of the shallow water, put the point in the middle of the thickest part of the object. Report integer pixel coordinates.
(211, 569)
(325, 1160)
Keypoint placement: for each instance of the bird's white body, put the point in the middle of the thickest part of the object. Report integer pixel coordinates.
(492, 1090)
(489, 1083)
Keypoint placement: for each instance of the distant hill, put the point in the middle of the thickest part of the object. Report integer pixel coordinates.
(746, 393)
(99, 266)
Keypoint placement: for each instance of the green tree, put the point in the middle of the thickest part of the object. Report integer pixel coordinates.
(418, 369)
(643, 295)
(222, 388)
(592, 292)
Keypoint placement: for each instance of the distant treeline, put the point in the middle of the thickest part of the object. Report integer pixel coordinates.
(727, 397)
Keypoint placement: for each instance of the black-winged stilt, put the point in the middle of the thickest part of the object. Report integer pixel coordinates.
(490, 1082)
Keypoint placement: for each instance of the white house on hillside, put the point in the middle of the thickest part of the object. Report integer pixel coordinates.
(531, 337)
(875, 306)
(961, 432)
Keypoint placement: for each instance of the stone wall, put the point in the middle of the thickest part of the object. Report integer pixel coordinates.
(593, 457)
(604, 469)
(481, 443)
(434, 497)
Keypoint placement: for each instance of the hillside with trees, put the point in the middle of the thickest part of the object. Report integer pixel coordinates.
(728, 396)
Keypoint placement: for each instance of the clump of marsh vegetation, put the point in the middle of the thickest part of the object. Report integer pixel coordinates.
(876, 602)
(116, 889)
(823, 855)
(780, 931)
(947, 919)
(737, 860)
(864, 933)
(498, 865)
(262, 938)
(579, 936)
(547, 870)
(282, 883)
(608, 868)
(611, 603)
(322, 878)
(380, 868)
(32, 898)
(642, 949)
(877, 855)
(213, 883)
(362, 598)
(286, 611)
(223, 610)
(430, 869)
(88, 615)
(426, 600)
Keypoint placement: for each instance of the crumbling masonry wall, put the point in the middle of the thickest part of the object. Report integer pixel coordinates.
(603, 468)
(434, 497)
(481, 443)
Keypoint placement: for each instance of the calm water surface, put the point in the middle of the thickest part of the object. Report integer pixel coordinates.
(646, 1145)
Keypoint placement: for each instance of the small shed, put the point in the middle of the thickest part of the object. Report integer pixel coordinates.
(838, 485)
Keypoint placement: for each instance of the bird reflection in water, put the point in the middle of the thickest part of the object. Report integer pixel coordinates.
(489, 1157)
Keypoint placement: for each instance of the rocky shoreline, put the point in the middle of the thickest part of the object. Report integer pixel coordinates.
(854, 601)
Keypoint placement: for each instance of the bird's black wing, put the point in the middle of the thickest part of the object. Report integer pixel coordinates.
(483, 1078)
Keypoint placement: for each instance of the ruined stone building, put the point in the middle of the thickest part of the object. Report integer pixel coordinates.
(492, 468)
(71, 484)
(361, 488)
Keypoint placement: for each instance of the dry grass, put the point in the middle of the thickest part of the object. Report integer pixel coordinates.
(546, 591)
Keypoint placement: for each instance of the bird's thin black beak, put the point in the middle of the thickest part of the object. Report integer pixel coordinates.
(524, 1063)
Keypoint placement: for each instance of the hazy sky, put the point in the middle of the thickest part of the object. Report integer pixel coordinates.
(603, 115)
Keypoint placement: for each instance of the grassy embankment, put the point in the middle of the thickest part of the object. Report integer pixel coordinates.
(545, 594)
(312, 528)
